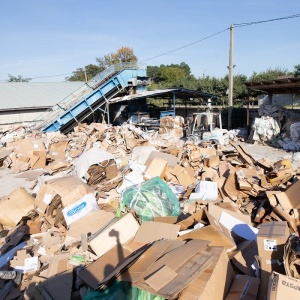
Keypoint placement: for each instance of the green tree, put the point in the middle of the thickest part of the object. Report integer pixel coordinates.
(165, 76)
(79, 75)
(297, 70)
(269, 74)
(18, 78)
(124, 54)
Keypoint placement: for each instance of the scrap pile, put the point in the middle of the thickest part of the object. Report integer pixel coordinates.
(118, 213)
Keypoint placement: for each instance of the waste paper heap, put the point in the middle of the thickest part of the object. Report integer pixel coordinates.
(112, 212)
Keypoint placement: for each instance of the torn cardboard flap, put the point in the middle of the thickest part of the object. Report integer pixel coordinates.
(153, 231)
(15, 206)
(213, 235)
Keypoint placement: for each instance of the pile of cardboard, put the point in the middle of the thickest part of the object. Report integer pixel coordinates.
(114, 207)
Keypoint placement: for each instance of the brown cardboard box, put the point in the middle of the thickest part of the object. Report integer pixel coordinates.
(208, 151)
(89, 224)
(287, 214)
(290, 198)
(271, 239)
(182, 175)
(41, 159)
(197, 217)
(243, 287)
(238, 223)
(169, 158)
(15, 206)
(211, 161)
(283, 287)
(157, 167)
(120, 232)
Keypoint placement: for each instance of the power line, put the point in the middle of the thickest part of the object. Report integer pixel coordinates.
(205, 38)
(52, 76)
(265, 21)
(42, 76)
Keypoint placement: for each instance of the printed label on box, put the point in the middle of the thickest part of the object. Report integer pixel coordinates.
(80, 208)
(270, 245)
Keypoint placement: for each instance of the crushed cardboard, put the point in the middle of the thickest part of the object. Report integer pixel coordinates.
(99, 162)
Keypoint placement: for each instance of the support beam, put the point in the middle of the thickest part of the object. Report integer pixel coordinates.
(174, 103)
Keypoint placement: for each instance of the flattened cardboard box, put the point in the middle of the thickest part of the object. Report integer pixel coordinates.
(98, 274)
(15, 206)
(154, 231)
(183, 264)
(283, 287)
(153, 253)
(214, 282)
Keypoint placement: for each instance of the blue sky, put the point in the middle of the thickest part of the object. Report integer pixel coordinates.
(42, 38)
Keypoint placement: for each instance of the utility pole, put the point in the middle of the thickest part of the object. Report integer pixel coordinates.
(230, 67)
(85, 75)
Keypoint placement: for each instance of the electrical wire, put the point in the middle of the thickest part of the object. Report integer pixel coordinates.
(5, 80)
(205, 38)
(265, 21)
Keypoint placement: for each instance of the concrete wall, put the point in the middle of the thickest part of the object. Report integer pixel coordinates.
(18, 117)
(281, 99)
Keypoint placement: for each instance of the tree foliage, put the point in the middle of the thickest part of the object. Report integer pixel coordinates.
(18, 78)
(89, 71)
(269, 74)
(124, 54)
(297, 70)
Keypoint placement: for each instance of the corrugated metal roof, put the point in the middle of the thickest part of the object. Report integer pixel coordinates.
(14, 95)
(166, 93)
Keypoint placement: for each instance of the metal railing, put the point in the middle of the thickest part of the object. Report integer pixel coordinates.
(63, 106)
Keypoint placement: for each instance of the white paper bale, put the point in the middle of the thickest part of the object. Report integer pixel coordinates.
(295, 132)
(265, 129)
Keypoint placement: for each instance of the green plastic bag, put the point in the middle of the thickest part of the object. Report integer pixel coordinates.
(121, 290)
(152, 198)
